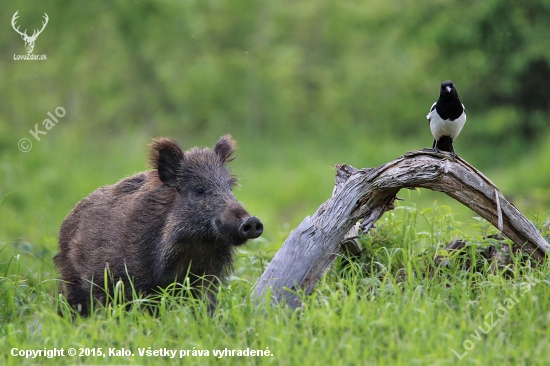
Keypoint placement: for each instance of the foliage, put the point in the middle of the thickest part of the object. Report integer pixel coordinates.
(282, 68)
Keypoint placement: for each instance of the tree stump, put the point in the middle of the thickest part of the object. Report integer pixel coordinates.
(365, 195)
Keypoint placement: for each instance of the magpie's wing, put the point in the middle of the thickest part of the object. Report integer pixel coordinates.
(431, 110)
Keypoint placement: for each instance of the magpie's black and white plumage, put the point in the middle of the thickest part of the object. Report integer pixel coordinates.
(447, 117)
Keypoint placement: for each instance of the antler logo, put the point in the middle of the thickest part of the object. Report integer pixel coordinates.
(29, 41)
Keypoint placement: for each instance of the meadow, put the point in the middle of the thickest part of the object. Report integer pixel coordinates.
(301, 86)
(393, 305)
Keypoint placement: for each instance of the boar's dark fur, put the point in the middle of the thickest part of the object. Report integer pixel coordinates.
(156, 227)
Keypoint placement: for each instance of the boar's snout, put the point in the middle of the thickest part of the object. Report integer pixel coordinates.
(251, 228)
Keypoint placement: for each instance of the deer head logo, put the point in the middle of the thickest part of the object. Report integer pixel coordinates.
(29, 41)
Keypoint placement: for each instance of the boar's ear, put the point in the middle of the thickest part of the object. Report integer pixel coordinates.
(166, 157)
(225, 147)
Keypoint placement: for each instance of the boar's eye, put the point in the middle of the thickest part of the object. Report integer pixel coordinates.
(200, 192)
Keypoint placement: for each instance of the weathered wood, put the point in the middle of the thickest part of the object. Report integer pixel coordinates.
(366, 194)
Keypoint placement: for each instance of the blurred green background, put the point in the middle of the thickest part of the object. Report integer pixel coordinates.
(301, 85)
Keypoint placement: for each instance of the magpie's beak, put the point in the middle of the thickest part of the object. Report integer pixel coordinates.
(448, 88)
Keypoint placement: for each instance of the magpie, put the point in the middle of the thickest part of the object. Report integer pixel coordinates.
(447, 117)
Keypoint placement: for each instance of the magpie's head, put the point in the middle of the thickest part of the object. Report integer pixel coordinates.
(448, 90)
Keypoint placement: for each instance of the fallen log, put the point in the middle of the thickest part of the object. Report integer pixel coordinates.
(366, 194)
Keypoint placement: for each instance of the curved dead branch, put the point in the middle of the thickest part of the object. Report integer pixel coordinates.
(366, 194)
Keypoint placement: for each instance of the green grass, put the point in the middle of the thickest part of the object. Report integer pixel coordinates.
(390, 306)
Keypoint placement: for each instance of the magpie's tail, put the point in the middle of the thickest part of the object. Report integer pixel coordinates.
(445, 143)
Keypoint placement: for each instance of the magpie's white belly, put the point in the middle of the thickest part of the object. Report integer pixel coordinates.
(444, 127)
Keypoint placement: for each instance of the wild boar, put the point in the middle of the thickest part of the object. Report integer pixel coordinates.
(178, 220)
